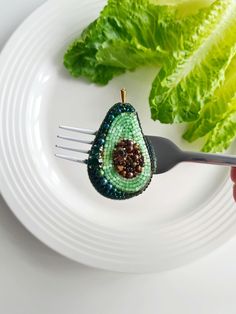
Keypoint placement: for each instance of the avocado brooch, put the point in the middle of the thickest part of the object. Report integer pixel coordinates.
(120, 161)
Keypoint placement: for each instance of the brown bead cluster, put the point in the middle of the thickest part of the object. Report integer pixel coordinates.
(128, 159)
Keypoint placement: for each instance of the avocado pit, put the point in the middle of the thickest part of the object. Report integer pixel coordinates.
(128, 159)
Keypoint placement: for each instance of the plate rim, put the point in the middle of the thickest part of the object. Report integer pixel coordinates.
(35, 230)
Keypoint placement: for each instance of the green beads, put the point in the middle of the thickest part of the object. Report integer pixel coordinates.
(120, 124)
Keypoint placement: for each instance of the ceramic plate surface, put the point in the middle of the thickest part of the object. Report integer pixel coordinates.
(183, 215)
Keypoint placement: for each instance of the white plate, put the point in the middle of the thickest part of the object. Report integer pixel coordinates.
(183, 215)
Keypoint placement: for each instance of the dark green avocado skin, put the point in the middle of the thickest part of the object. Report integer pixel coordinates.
(96, 176)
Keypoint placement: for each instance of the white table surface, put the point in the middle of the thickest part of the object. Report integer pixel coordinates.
(36, 280)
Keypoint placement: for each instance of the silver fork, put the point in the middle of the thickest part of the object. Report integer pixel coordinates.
(167, 153)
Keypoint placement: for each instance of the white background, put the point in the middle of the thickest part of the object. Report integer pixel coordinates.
(36, 280)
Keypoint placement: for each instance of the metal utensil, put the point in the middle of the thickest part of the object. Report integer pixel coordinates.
(167, 153)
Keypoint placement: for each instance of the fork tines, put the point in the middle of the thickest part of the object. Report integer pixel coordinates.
(77, 140)
(78, 130)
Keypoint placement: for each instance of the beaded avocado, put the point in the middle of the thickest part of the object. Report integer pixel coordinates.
(121, 162)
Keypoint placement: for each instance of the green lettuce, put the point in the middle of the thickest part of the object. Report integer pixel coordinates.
(217, 121)
(185, 7)
(218, 108)
(80, 58)
(190, 76)
(127, 34)
(194, 44)
(223, 134)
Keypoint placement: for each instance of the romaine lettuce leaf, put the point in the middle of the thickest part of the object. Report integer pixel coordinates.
(189, 77)
(196, 49)
(185, 7)
(220, 138)
(128, 56)
(80, 58)
(126, 35)
(217, 109)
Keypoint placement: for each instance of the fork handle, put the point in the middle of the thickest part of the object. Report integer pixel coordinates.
(205, 158)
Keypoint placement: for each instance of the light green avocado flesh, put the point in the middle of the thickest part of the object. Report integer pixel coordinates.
(126, 126)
